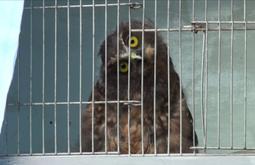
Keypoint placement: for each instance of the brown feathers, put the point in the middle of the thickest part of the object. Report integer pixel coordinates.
(132, 136)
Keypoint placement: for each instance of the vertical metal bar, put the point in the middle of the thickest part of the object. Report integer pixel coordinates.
(219, 72)
(43, 81)
(155, 79)
(231, 78)
(68, 77)
(55, 79)
(80, 77)
(193, 77)
(129, 36)
(18, 108)
(245, 77)
(206, 73)
(168, 80)
(202, 89)
(180, 70)
(118, 78)
(142, 80)
(30, 81)
(105, 91)
(93, 72)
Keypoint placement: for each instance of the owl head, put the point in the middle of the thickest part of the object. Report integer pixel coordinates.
(130, 46)
(140, 49)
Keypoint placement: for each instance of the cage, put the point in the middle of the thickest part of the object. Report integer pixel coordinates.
(209, 42)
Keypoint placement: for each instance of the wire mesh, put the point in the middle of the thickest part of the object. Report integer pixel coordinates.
(58, 69)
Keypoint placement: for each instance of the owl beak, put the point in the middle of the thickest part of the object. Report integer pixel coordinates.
(133, 56)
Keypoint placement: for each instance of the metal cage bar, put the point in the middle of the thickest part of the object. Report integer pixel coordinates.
(231, 78)
(168, 81)
(18, 108)
(134, 4)
(219, 73)
(155, 80)
(31, 82)
(195, 26)
(118, 78)
(80, 77)
(180, 70)
(105, 92)
(206, 75)
(93, 73)
(128, 85)
(193, 78)
(142, 82)
(55, 77)
(245, 76)
(201, 89)
(43, 77)
(68, 78)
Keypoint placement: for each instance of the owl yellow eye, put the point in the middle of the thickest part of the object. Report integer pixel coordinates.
(133, 42)
(123, 67)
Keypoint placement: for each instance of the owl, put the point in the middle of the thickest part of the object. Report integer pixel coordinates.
(141, 125)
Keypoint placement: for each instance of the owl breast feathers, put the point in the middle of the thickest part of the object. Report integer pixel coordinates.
(141, 125)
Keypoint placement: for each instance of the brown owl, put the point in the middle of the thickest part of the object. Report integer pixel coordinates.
(128, 115)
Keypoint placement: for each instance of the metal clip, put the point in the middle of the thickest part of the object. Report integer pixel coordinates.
(198, 27)
(132, 103)
(135, 5)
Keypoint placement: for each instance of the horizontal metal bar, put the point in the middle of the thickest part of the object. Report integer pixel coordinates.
(201, 26)
(133, 5)
(202, 159)
(223, 22)
(184, 28)
(117, 155)
(222, 148)
(131, 102)
(59, 154)
(221, 25)
(236, 151)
